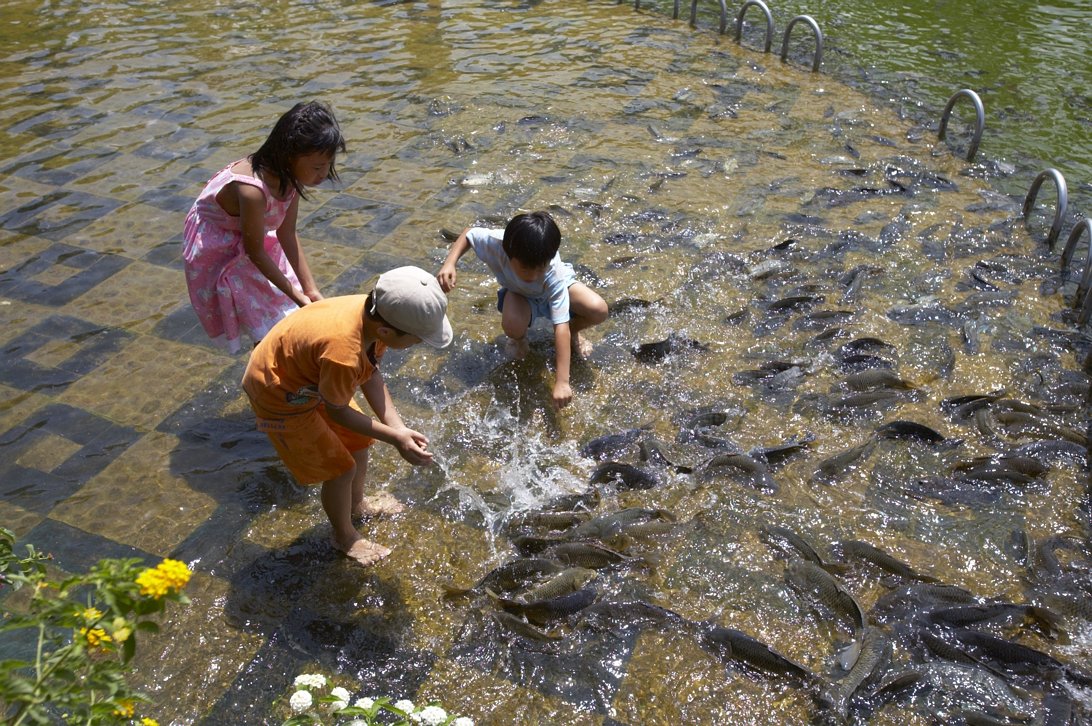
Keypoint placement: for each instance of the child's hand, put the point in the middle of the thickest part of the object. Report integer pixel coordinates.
(563, 394)
(313, 295)
(446, 277)
(411, 446)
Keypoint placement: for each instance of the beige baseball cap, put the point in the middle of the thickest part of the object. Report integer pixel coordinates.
(411, 300)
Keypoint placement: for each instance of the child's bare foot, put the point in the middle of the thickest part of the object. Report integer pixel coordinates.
(582, 347)
(517, 347)
(377, 505)
(364, 552)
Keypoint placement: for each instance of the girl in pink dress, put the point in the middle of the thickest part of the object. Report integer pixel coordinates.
(245, 269)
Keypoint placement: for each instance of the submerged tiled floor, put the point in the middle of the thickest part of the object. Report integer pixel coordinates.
(122, 430)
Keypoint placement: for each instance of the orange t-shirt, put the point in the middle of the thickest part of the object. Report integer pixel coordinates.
(314, 355)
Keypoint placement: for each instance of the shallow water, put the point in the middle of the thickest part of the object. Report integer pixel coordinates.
(678, 165)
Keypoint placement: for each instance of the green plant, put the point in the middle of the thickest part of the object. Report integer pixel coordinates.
(84, 627)
(310, 708)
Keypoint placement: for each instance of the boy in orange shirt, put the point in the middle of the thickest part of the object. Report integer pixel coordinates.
(302, 377)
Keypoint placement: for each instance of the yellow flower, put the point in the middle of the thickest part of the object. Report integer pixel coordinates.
(148, 722)
(125, 708)
(95, 636)
(91, 614)
(121, 629)
(166, 577)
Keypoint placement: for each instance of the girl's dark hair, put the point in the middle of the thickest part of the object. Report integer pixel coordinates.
(306, 128)
(532, 238)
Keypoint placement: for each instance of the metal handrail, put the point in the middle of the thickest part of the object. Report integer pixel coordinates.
(980, 124)
(1063, 201)
(815, 31)
(694, 14)
(1071, 243)
(769, 21)
(1084, 225)
(1086, 304)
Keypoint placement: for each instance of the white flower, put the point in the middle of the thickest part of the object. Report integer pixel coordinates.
(431, 716)
(364, 702)
(342, 697)
(358, 722)
(300, 701)
(310, 680)
(463, 721)
(405, 705)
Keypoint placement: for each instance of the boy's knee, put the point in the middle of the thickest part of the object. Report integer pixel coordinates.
(594, 310)
(600, 311)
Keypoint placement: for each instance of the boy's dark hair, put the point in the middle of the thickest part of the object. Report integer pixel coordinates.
(306, 128)
(532, 238)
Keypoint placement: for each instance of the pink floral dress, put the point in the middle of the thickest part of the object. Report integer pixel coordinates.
(229, 294)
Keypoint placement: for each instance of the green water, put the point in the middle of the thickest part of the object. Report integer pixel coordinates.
(1027, 61)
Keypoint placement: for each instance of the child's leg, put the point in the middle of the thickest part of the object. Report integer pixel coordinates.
(377, 504)
(515, 320)
(337, 501)
(586, 309)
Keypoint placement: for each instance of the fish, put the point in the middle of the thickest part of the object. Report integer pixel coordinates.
(513, 624)
(1025, 465)
(740, 467)
(901, 429)
(795, 302)
(541, 612)
(951, 490)
(738, 646)
(812, 580)
(652, 451)
(960, 408)
(908, 600)
(611, 525)
(592, 556)
(864, 551)
(1008, 613)
(857, 401)
(775, 535)
(552, 521)
(834, 466)
(875, 652)
(625, 477)
(634, 614)
(1014, 656)
(874, 378)
(509, 576)
(564, 582)
(674, 343)
(779, 453)
(611, 444)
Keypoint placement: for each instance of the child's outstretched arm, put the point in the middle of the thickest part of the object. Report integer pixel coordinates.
(293, 252)
(252, 223)
(563, 392)
(411, 444)
(446, 276)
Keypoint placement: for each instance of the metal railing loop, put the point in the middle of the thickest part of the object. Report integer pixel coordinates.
(980, 123)
(694, 14)
(815, 31)
(769, 21)
(1063, 201)
(1084, 225)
